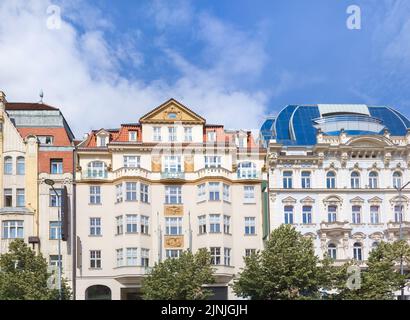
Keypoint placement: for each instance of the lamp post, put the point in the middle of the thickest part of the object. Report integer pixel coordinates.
(399, 190)
(51, 183)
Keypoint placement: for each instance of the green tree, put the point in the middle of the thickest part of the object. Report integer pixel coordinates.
(286, 269)
(24, 275)
(180, 278)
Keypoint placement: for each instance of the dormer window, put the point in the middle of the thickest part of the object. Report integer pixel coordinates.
(132, 136)
(102, 140)
(47, 140)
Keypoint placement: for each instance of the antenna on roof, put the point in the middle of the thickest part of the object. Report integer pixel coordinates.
(41, 94)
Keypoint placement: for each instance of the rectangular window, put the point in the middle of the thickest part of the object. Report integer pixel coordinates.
(132, 256)
(119, 225)
(55, 230)
(95, 226)
(227, 224)
(374, 214)
(144, 224)
(56, 166)
(131, 191)
(55, 201)
(250, 225)
(201, 192)
(173, 226)
(172, 253)
(214, 223)
(213, 188)
(356, 219)
(188, 134)
(287, 180)
(398, 213)
(306, 180)
(131, 161)
(13, 229)
(331, 213)
(47, 140)
(225, 190)
(132, 135)
(144, 257)
(8, 197)
(118, 193)
(95, 194)
(172, 164)
(173, 195)
(249, 194)
(227, 256)
(307, 214)
(20, 198)
(202, 224)
(249, 252)
(215, 255)
(157, 133)
(288, 215)
(120, 257)
(95, 259)
(144, 193)
(8, 165)
(132, 223)
(211, 136)
(172, 134)
(21, 166)
(212, 161)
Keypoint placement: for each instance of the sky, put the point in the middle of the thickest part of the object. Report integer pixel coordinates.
(235, 62)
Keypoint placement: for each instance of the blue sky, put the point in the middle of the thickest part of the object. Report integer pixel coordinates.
(232, 61)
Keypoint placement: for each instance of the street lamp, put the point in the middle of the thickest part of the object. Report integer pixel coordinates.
(399, 190)
(51, 183)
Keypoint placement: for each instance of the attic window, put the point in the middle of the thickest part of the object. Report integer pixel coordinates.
(132, 136)
(48, 140)
(102, 141)
(172, 115)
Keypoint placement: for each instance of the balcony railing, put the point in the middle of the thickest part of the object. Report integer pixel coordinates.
(173, 175)
(87, 174)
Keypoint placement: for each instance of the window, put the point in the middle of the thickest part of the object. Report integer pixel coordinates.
(374, 214)
(132, 256)
(331, 214)
(173, 253)
(211, 136)
(130, 191)
(120, 257)
(172, 115)
(173, 226)
(287, 180)
(373, 180)
(157, 133)
(249, 252)
(214, 223)
(227, 224)
(144, 193)
(356, 218)
(20, 166)
(144, 257)
(398, 213)
(118, 192)
(249, 194)
(95, 194)
(202, 224)
(173, 195)
(48, 140)
(306, 180)
(20, 198)
(144, 224)
(97, 169)
(132, 223)
(215, 255)
(102, 140)
(53, 260)
(288, 214)
(119, 225)
(8, 197)
(331, 180)
(227, 256)
(357, 252)
(131, 161)
(355, 180)
(250, 227)
(55, 230)
(172, 164)
(56, 166)
(132, 135)
(307, 214)
(213, 191)
(201, 192)
(95, 259)
(225, 192)
(172, 134)
(375, 244)
(212, 161)
(247, 170)
(397, 180)
(332, 251)
(8, 165)
(95, 226)
(55, 199)
(13, 229)
(188, 134)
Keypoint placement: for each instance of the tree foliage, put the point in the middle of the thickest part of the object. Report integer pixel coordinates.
(24, 275)
(180, 278)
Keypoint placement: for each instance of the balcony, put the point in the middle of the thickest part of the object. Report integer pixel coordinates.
(172, 175)
(393, 229)
(94, 175)
(214, 172)
(335, 228)
(131, 172)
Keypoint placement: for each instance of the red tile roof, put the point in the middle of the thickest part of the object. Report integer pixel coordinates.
(28, 106)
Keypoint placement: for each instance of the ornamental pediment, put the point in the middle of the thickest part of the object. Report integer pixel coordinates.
(289, 200)
(307, 200)
(357, 200)
(375, 200)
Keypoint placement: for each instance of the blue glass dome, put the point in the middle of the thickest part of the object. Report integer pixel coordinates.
(299, 124)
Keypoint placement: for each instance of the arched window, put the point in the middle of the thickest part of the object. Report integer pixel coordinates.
(355, 180)
(331, 213)
(357, 251)
(98, 292)
(20, 166)
(287, 180)
(8, 165)
(331, 180)
(306, 180)
(97, 169)
(332, 251)
(397, 179)
(373, 180)
(288, 214)
(247, 170)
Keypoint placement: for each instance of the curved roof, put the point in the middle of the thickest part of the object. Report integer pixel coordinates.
(299, 124)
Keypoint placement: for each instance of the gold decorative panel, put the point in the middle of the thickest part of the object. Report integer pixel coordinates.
(174, 241)
(174, 210)
(156, 164)
(189, 164)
